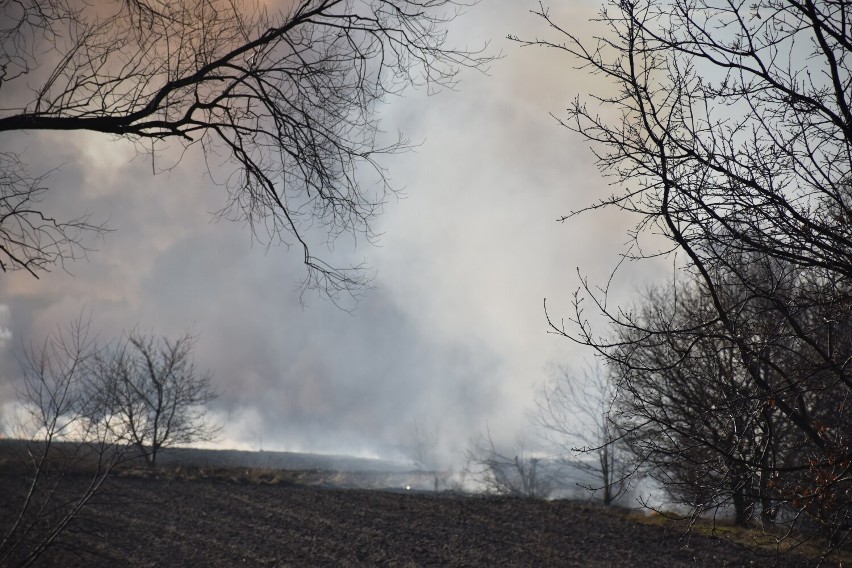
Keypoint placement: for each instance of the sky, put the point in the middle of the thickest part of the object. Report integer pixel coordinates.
(451, 340)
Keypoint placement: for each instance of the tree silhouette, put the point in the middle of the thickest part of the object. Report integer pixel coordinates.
(732, 140)
(148, 392)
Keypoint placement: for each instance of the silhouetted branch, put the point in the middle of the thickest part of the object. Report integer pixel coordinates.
(287, 97)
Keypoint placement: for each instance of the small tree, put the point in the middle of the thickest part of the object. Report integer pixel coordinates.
(575, 416)
(152, 395)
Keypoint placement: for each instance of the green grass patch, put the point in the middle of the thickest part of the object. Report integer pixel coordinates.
(773, 540)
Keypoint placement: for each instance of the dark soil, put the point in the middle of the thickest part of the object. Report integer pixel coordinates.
(217, 522)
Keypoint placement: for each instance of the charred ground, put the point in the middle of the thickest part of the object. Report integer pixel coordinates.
(195, 516)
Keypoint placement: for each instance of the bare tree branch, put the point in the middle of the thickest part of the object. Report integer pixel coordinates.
(288, 98)
(30, 239)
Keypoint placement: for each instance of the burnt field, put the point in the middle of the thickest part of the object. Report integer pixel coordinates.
(196, 517)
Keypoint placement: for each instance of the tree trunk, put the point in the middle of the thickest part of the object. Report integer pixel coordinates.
(743, 503)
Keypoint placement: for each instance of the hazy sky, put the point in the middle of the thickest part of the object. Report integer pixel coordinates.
(453, 337)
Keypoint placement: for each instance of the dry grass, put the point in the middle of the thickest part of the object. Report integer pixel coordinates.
(772, 540)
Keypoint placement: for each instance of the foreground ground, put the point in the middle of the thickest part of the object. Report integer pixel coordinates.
(219, 521)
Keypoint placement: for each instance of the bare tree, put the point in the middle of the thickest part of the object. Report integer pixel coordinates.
(733, 141)
(513, 473)
(149, 393)
(575, 415)
(69, 456)
(288, 97)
